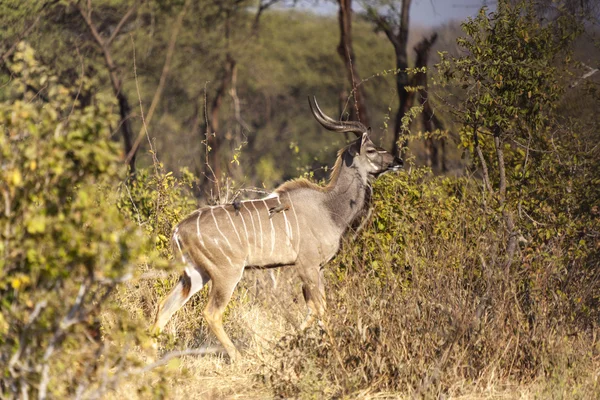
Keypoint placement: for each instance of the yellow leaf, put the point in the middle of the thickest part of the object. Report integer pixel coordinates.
(3, 325)
(15, 178)
(37, 224)
(20, 281)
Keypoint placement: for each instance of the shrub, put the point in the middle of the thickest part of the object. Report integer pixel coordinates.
(64, 244)
(420, 302)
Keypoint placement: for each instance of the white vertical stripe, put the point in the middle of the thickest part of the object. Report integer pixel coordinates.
(246, 231)
(295, 216)
(232, 224)
(260, 226)
(272, 230)
(288, 228)
(198, 229)
(253, 227)
(222, 252)
(212, 211)
(176, 238)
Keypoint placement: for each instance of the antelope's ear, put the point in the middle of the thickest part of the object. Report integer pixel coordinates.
(355, 148)
(365, 137)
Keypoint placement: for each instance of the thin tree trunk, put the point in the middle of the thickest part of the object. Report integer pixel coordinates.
(486, 175)
(511, 246)
(399, 40)
(124, 108)
(430, 122)
(359, 111)
(213, 138)
(402, 81)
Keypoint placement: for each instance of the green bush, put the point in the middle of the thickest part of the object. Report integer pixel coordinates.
(64, 244)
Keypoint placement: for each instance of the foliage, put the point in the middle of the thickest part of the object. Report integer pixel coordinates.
(291, 57)
(516, 72)
(512, 70)
(65, 246)
(418, 303)
(157, 200)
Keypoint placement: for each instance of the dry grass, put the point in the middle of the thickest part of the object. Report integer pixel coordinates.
(282, 362)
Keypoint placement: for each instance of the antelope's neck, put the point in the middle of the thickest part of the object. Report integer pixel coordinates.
(347, 193)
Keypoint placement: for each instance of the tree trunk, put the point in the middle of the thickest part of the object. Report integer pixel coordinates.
(359, 111)
(126, 131)
(430, 121)
(404, 97)
(214, 141)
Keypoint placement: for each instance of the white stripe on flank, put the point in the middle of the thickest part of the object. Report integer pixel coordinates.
(198, 230)
(176, 238)
(260, 226)
(222, 252)
(253, 227)
(272, 229)
(288, 228)
(295, 216)
(246, 231)
(232, 224)
(217, 225)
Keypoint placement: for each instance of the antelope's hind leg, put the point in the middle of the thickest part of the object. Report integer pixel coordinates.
(220, 294)
(190, 282)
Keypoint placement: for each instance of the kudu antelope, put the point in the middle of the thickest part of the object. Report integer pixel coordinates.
(300, 224)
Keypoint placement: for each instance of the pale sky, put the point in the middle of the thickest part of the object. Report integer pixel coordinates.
(422, 12)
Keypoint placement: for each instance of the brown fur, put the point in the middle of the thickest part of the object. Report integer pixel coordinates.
(303, 183)
(186, 284)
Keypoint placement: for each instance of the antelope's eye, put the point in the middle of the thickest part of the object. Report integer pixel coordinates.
(371, 151)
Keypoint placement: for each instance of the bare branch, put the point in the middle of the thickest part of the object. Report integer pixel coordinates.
(262, 6)
(26, 32)
(87, 17)
(383, 24)
(484, 168)
(121, 23)
(22, 342)
(501, 168)
(76, 313)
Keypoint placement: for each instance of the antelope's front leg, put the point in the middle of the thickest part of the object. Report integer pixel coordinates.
(313, 289)
(190, 282)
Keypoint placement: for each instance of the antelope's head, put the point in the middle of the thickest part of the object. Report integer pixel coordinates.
(365, 154)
